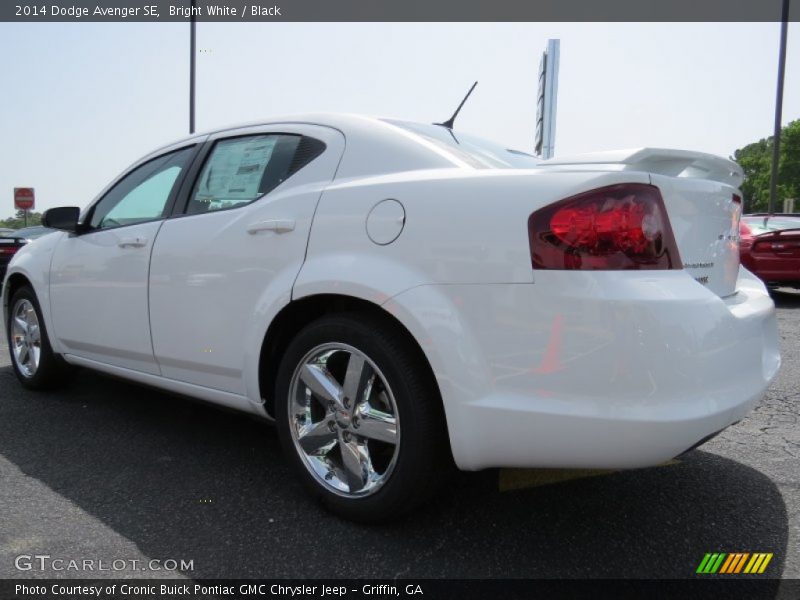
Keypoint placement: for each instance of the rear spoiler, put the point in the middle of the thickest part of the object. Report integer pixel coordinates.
(661, 161)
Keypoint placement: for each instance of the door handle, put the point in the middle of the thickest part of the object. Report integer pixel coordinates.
(132, 242)
(276, 225)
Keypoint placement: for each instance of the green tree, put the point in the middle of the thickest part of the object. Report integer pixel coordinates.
(18, 220)
(789, 171)
(756, 162)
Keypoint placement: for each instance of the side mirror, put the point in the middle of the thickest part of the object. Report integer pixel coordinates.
(64, 218)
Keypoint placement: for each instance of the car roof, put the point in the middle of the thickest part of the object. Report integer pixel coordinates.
(341, 121)
(374, 146)
(345, 122)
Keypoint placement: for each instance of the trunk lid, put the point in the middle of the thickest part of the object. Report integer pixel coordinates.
(699, 192)
(705, 220)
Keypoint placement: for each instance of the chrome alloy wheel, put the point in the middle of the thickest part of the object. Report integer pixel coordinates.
(26, 341)
(343, 420)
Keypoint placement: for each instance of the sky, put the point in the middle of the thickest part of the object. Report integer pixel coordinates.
(82, 101)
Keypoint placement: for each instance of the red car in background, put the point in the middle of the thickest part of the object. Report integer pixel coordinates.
(770, 248)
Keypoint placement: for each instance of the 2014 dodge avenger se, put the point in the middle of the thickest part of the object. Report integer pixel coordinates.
(398, 296)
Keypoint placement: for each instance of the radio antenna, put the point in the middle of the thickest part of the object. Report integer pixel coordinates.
(449, 123)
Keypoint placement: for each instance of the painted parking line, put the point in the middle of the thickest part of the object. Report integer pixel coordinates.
(518, 479)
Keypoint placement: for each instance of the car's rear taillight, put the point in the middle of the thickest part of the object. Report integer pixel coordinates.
(7, 250)
(778, 246)
(617, 227)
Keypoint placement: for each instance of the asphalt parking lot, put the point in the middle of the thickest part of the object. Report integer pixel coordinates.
(109, 470)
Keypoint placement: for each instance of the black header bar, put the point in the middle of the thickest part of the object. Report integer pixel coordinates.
(397, 11)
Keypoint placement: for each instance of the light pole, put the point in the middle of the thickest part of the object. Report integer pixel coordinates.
(192, 52)
(776, 137)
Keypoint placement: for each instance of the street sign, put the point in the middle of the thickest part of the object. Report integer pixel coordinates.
(23, 199)
(546, 99)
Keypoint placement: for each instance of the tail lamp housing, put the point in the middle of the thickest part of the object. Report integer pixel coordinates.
(776, 246)
(617, 227)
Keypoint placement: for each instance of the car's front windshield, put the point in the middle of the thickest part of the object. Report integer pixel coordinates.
(474, 151)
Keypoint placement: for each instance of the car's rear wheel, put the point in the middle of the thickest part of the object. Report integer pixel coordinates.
(36, 365)
(359, 416)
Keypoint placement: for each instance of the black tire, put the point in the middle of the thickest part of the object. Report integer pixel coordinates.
(52, 371)
(422, 458)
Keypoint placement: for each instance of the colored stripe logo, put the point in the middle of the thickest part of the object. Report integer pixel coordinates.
(734, 562)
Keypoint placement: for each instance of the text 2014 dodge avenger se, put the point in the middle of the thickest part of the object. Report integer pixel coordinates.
(399, 296)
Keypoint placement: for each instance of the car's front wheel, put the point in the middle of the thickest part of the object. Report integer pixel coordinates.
(36, 365)
(359, 416)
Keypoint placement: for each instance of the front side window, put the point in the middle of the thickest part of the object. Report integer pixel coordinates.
(239, 170)
(143, 194)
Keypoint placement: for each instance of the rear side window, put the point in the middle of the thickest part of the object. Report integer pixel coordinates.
(240, 170)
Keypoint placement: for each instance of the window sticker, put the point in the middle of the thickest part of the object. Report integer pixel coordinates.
(235, 170)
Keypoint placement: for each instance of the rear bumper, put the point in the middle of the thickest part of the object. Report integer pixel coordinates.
(592, 369)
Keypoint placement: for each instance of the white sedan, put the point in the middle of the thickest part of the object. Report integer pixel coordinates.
(400, 297)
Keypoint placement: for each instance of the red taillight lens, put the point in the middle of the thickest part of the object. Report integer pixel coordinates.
(6, 250)
(617, 227)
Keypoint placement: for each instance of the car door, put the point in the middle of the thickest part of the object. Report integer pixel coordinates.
(240, 237)
(99, 277)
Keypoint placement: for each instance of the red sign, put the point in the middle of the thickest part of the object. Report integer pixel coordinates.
(23, 198)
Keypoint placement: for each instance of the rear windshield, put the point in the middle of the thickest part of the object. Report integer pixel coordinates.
(758, 225)
(474, 151)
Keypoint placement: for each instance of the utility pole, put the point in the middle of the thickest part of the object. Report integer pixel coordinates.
(192, 67)
(776, 137)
